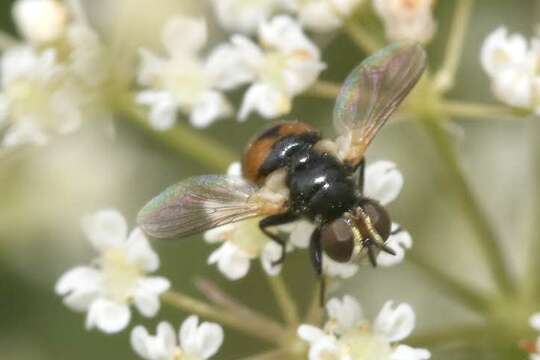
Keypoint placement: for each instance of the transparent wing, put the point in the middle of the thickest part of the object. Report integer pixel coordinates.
(373, 91)
(201, 203)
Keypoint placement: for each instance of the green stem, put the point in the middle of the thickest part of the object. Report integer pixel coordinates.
(474, 110)
(324, 89)
(361, 37)
(486, 235)
(445, 78)
(284, 299)
(533, 262)
(277, 354)
(232, 305)
(434, 338)
(182, 139)
(315, 310)
(463, 293)
(267, 330)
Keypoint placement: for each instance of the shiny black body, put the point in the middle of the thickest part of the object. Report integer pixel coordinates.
(321, 188)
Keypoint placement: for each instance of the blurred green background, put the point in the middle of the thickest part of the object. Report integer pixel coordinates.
(45, 192)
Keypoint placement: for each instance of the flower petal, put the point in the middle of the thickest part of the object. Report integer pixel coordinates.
(500, 50)
(147, 292)
(188, 332)
(310, 333)
(347, 312)
(399, 243)
(139, 339)
(80, 286)
(319, 16)
(271, 252)
(404, 352)
(40, 21)
(383, 181)
(139, 251)
(210, 336)
(105, 229)
(265, 99)
(108, 316)
(24, 132)
(184, 36)
(231, 261)
(160, 346)
(163, 108)
(218, 234)
(243, 16)
(336, 269)
(227, 68)
(209, 107)
(285, 34)
(535, 321)
(301, 233)
(395, 324)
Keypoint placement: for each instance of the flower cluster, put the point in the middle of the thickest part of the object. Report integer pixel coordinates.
(243, 242)
(196, 341)
(284, 64)
(316, 15)
(50, 80)
(347, 335)
(512, 65)
(116, 278)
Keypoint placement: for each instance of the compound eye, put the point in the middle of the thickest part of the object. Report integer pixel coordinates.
(337, 240)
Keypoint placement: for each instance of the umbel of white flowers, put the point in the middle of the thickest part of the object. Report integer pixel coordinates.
(243, 242)
(347, 335)
(117, 277)
(183, 81)
(42, 94)
(512, 65)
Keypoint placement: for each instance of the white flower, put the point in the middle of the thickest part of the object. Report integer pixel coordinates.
(322, 15)
(347, 335)
(286, 64)
(87, 57)
(196, 341)
(244, 15)
(117, 278)
(40, 21)
(535, 321)
(512, 66)
(183, 81)
(37, 97)
(410, 20)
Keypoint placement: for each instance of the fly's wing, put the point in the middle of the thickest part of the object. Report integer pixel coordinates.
(372, 92)
(201, 203)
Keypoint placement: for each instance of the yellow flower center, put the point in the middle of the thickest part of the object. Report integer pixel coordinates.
(119, 275)
(248, 237)
(363, 345)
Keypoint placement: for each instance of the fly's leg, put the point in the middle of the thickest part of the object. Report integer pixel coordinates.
(275, 220)
(315, 252)
(359, 174)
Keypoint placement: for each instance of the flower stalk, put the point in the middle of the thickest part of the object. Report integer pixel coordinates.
(466, 295)
(261, 328)
(182, 138)
(445, 78)
(486, 235)
(361, 37)
(285, 300)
